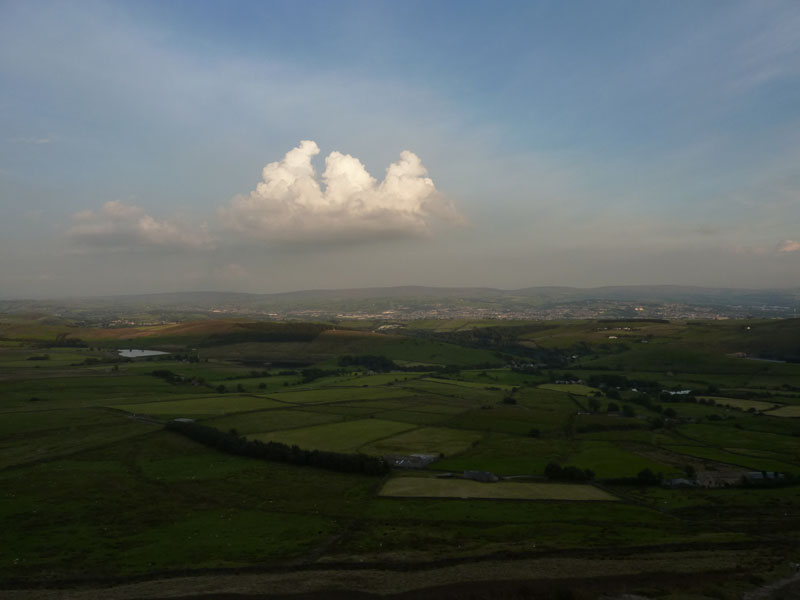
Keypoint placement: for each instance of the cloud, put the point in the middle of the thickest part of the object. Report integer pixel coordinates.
(291, 205)
(787, 246)
(120, 225)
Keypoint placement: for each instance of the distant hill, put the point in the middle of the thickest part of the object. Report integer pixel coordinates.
(636, 293)
(415, 302)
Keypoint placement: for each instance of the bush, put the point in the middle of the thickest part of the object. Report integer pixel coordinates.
(647, 477)
(556, 472)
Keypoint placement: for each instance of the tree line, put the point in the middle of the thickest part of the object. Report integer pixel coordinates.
(232, 443)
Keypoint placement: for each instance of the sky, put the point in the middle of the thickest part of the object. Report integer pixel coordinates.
(276, 146)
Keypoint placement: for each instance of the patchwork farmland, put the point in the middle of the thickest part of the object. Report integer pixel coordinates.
(585, 447)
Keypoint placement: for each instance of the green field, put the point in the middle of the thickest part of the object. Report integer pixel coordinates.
(211, 405)
(427, 440)
(571, 388)
(739, 403)
(348, 436)
(95, 490)
(786, 411)
(271, 420)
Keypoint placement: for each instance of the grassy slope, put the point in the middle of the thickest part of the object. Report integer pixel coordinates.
(92, 491)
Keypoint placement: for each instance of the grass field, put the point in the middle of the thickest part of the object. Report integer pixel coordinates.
(428, 487)
(786, 411)
(740, 459)
(209, 405)
(271, 420)
(340, 394)
(90, 491)
(347, 436)
(572, 388)
(427, 440)
(739, 403)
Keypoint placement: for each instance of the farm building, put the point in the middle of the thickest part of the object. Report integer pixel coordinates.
(714, 479)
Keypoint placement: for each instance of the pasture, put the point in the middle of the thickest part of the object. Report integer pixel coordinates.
(92, 483)
(346, 436)
(570, 388)
(791, 412)
(425, 440)
(201, 406)
(741, 404)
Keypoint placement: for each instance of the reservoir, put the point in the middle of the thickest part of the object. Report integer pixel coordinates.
(140, 353)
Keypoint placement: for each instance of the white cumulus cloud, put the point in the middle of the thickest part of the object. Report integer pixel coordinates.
(120, 225)
(291, 204)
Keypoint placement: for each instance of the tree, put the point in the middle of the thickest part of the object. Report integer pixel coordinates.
(552, 470)
(647, 477)
(628, 411)
(594, 404)
(613, 407)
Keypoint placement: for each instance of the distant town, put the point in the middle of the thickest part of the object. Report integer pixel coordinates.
(397, 305)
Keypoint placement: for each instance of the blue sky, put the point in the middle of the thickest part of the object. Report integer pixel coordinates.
(553, 143)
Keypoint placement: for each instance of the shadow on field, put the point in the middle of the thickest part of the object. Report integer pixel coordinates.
(644, 585)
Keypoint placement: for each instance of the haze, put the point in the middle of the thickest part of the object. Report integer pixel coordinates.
(266, 147)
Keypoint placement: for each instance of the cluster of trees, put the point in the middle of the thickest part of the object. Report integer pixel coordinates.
(645, 477)
(171, 377)
(232, 443)
(371, 362)
(382, 364)
(164, 374)
(556, 472)
(613, 381)
(627, 410)
(618, 425)
(313, 373)
(63, 341)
